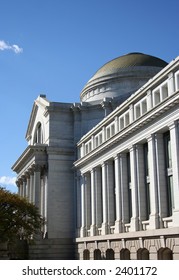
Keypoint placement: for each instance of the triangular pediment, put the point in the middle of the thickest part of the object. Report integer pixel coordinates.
(41, 103)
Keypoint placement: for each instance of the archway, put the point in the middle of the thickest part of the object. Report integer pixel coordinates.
(143, 254)
(125, 254)
(165, 254)
(110, 254)
(97, 254)
(86, 255)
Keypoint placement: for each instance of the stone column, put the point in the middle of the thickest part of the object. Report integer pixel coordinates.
(28, 186)
(134, 188)
(83, 208)
(45, 203)
(118, 222)
(93, 204)
(110, 193)
(98, 194)
(20, 187)
(154, 215)
(31, 192)
(140, 172)
(37, 185)
(24, 185)
(161, 177)
(124, 190)
(88, 199)
(104, 200)
(174, 138)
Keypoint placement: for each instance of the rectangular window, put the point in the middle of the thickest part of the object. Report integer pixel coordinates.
(126, 119)
(121, 122)
(144, 106)
(177, 80)
(156, 96)
(164, 91)
(137, 111)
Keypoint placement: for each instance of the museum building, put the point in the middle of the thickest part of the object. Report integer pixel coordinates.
(104, 172)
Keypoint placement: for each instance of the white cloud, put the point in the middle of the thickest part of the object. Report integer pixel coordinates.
(7, 181)
(5, 46)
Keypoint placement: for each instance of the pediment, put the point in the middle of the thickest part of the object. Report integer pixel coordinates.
(41, 104)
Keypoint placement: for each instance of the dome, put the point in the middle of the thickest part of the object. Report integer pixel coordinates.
(134, 68)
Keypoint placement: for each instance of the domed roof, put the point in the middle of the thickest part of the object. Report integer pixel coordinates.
(122, 76)
(126, 61)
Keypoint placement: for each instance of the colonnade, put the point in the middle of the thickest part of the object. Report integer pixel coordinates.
(130, 191)
(32, 185)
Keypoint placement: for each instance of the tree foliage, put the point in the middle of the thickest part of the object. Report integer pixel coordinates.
(18, 218)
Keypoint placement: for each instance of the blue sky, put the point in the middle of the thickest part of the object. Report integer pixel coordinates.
(55, 46)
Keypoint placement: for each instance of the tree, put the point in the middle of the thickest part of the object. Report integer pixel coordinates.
(18, 218)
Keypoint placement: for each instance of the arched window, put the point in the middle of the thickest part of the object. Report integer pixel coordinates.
(125, 254)
(110, 254)
(86, 255)
(97, 254)
(165, 254)
(38, 136)
(143, 254)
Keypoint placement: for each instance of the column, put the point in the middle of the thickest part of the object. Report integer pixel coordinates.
(93, 204)
(161, 177)
(20, 187)
(174, 138)
(110, 193)
(134, 188)
(45, 203)
(28, 187)
(83, 208)
(24, 184)
(104, 200)
(98, 189)
(37, 185)
(31, 192)
(118, 222)
(88, 199)
(141, 185)
(124, 181)
(154, 216)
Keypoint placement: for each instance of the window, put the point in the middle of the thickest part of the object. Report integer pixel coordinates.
(177, 80)
(164, 91)
(38, 137)
(121, 121)
(157, 97)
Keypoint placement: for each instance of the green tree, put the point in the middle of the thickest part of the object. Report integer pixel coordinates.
(19, 219)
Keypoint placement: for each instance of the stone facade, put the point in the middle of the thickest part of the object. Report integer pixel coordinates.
(105, 172)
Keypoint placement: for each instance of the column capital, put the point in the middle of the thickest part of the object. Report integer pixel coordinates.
(172, 124)
(37, 168)
(24, 178)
